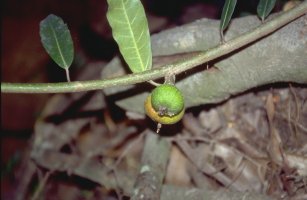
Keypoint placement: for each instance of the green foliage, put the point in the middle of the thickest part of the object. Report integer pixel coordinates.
(227, 12)
(56, 39)
(130, 31)
(264, 8)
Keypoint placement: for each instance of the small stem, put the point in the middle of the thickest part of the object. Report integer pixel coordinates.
(67, 74)
(41, 185)
(175, 68)
(159, 126)
(170, 79)
(222, 36)
(153, 83)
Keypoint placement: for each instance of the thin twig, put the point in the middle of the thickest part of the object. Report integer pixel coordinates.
(301, 126)
(41, 185)
(176, 68)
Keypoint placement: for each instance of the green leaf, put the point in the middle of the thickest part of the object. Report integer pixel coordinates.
(130, 30)
(265, 7)
(56, 39)
(227, 12)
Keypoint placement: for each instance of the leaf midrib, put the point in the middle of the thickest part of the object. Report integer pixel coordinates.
(264, 9)
(134, 41)
(58, 45)
(226, 11)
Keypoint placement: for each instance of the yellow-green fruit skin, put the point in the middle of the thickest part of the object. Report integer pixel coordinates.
(165, 119)
(167, 100)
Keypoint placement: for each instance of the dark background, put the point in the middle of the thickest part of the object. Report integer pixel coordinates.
(23, 58)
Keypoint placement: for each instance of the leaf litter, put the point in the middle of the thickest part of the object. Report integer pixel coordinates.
(255, 142)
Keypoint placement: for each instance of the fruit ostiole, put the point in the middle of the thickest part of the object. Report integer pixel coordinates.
(165, 104)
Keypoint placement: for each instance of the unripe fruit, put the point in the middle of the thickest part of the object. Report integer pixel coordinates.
(165, 104)
(167, 100)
